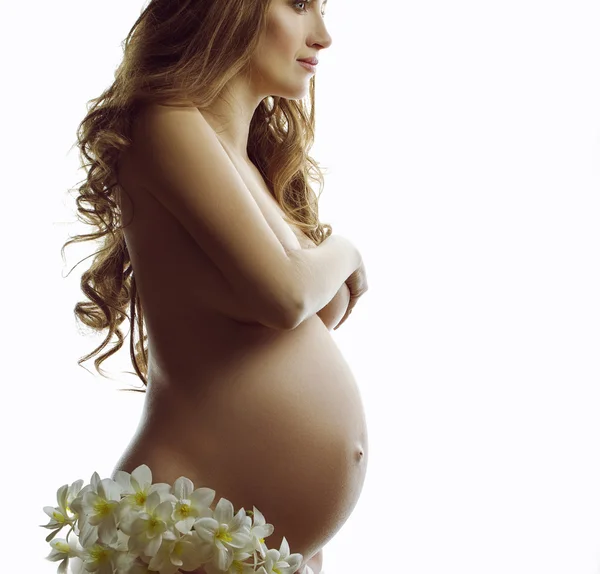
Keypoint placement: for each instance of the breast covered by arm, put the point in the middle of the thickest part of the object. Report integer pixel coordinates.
(335, 310)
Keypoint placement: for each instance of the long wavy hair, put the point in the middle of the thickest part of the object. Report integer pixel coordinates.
(177, 52)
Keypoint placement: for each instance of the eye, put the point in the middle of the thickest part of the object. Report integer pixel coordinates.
(305, 2)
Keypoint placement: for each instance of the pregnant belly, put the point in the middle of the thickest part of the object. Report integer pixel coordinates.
(281, 428)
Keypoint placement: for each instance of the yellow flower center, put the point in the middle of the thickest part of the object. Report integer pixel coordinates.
(238, 566)
(62, 547)
(58, 517)
(185, 510)
(140, 498)
(100, 554)
(153, 524)
(102, 508)
(223, 534)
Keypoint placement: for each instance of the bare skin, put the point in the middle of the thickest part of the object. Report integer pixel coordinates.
(267, 418)
(264, 417)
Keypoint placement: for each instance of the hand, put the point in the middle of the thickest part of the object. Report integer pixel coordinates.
(357, 284)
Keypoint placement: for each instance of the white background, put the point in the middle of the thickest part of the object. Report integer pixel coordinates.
(462, 141)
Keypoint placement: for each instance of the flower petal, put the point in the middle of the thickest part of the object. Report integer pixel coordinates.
(263, 530)
(107, 531)
(123, 479)
(185, 525)
(183, 487)
(95, 480)
(163, 489)
(206, 528)
(88, 535)
(74, 490)
(109, 489)
(284, 549)
(61, 496)
(224, 511)
(76, 565)
(239, 520)
(152, 547)
(164, 510)
(239, 539)
(143, 475)
(152, 501)
(202, 496)
(50, 510)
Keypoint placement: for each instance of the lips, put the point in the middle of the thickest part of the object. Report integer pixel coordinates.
(312, 61)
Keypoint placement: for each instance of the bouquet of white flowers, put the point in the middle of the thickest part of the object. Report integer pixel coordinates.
(131, 526)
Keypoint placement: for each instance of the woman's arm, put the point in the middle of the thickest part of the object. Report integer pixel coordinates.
(335, 310)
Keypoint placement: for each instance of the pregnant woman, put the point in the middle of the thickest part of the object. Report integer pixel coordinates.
(214, 251)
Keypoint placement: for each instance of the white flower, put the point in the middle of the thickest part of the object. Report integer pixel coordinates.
(100, 558)
(148, 528)
(259, 531)
(126, 562)
(100, 506)
(63, 550)
(190, 504)
(62, 514)
(107, 558)
(130, 526)
(187, 552)
(238, 564)
(96, 505)
(281, 561)
(137, 486)
(225, 532)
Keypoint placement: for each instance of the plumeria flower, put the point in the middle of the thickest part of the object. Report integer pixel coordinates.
(100, 505)
(137, 486)
(259, 531)
(62, 515)
(108, 557)
(225, 532)
(281, 561)
(239, 564)
(126, 562)
(176, 552)
(100, 558)
(87, 532)
(190, 504)
(130, 526)
(147, 529)
(63, 550)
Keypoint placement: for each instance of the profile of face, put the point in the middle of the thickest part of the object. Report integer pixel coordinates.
(294, 30)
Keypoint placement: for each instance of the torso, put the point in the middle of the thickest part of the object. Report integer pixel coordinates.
(265, 417)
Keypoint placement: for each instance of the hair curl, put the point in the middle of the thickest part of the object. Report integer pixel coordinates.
(177, 52)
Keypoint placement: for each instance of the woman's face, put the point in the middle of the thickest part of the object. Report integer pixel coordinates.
(294, 30)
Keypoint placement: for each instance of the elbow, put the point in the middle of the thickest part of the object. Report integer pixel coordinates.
(284, 317)
(292, 317)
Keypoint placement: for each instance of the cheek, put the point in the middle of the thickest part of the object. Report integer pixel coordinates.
(283, 37)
